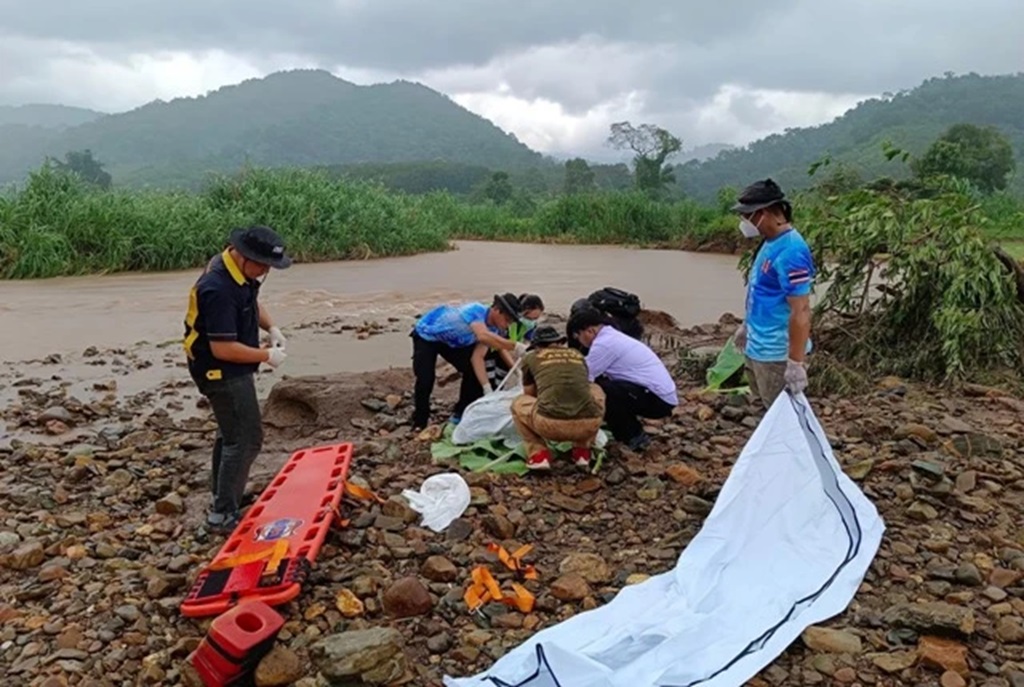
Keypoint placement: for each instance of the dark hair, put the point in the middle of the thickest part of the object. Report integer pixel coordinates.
(785, 207)
(585, 319)
(530, 301)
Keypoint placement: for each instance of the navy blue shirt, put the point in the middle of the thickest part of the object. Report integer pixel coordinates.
(222, 306)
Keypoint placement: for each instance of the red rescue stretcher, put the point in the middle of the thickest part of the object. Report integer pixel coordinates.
(271, 552)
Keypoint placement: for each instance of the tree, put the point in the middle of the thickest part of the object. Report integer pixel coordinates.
(82, 163)
(651, 146)
(980, 155)
(579, 178)
(498, 188)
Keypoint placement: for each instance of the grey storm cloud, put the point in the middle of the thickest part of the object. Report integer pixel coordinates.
(674, 55)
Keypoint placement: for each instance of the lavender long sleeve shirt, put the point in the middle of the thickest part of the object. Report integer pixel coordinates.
(623, 358)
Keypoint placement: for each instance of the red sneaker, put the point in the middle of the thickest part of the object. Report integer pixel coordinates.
(581, 457)
(541, 460)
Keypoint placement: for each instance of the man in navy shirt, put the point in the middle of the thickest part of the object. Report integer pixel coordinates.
(222, 345)
(776, 336)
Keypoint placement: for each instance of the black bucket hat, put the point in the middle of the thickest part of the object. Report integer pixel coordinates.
(547, 335)
(757, 196)
(509, 304)
(261, 244)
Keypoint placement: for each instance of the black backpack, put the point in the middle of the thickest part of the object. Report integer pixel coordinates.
(616, 302)
(622, 307)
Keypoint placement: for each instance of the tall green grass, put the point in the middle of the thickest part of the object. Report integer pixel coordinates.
(57, 225)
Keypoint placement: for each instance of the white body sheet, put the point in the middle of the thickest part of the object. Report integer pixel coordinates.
(786, 546)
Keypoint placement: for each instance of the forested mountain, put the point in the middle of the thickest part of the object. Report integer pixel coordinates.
(415, 139)
(909, 119)
(296, 118)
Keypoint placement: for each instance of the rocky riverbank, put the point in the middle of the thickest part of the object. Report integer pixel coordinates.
(101, 498)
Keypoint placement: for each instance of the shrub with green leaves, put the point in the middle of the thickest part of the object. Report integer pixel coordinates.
(914, 287)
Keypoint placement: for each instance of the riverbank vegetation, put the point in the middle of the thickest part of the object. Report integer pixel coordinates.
(57, 224)
(68, 220)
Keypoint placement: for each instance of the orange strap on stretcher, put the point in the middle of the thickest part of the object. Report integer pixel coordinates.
(276, 552)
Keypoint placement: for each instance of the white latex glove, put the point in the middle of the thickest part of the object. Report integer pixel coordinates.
(796, 377)
(740, 338)
(277, 356)
(520, 349)
(277, 339)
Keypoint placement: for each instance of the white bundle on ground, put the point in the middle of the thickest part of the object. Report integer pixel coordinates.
(440, 500)
(786, 546)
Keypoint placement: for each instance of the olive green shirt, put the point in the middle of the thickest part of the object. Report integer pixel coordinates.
(563, 385)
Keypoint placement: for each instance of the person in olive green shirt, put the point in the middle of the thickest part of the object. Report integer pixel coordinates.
(559, 403)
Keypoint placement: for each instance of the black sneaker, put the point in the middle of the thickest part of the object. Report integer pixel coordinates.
(219, 523)
(639, 443)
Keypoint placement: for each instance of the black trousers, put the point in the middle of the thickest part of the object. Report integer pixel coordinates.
(625, 403)
(239, 438)
(424, 366)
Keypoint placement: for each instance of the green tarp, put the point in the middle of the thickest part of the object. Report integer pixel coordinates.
(492, 455)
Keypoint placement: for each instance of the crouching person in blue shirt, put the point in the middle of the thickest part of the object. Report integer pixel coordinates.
(453, 332)
(776, 335)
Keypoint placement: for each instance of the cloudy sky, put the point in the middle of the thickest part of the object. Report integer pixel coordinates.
(554, 72)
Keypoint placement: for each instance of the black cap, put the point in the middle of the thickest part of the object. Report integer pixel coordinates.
(509, 304)
(759, 195)
(261, 244)
(546, 335)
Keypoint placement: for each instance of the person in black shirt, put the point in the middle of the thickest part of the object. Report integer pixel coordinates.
(222, 345)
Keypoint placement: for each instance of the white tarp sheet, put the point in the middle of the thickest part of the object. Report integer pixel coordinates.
(786, 546)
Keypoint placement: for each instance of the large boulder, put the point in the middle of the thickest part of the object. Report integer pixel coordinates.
(301, 405)
(361, 657)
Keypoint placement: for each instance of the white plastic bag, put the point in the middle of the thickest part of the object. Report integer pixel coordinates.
(440, 500)
(489, 417)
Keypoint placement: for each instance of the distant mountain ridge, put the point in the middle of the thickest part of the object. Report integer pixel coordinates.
(47, 116)
(297, 118)
(310, 118)
(911, 119)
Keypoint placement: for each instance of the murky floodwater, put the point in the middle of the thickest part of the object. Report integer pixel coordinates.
(69, 314)
(142, 313)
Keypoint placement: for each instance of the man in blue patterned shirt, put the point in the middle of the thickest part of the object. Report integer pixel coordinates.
(452, 332)
(776, 336)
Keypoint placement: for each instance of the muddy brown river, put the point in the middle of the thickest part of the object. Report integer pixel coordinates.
(141, 314)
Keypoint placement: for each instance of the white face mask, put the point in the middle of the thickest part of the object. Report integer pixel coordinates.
(749, 229)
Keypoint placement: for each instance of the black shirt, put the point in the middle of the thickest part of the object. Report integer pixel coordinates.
(222, 306)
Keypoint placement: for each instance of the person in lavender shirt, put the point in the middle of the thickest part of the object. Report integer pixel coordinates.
(635, 381)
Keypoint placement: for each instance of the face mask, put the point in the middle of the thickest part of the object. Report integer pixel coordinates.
(528, 324)
(749, 229)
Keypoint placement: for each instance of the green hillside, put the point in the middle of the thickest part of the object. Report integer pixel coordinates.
(909, 119)
(296, 118)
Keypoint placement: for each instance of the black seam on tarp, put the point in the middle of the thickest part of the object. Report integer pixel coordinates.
(542, 662)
